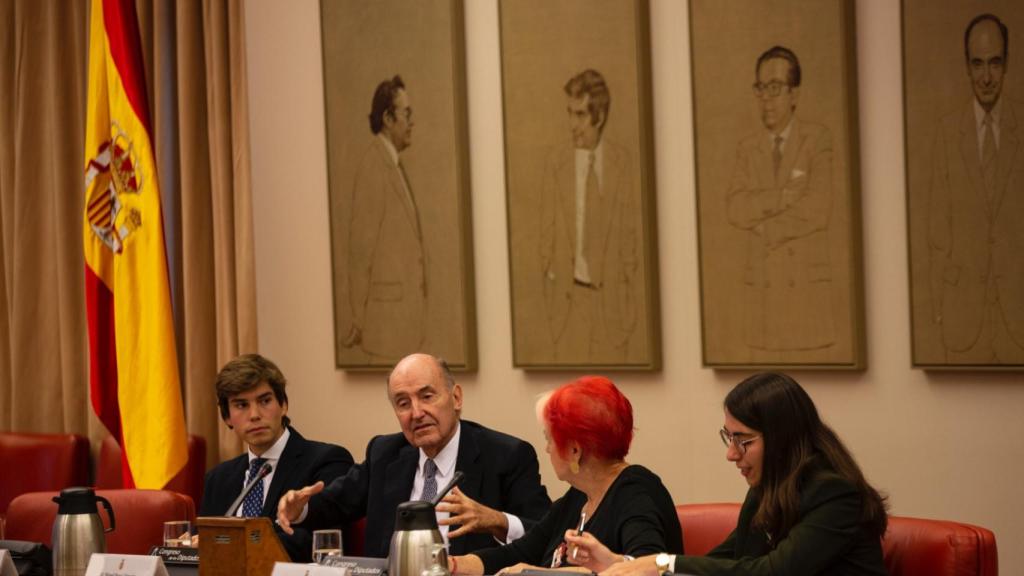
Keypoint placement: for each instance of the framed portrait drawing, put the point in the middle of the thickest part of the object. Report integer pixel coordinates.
(964, 115)
(580, 184)
(398, 167)
(775, 120)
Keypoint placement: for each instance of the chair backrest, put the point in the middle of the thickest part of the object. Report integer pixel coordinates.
(911, 546)
(35, 462)
(354, 538)
(939, 548)
(706, 525)
(189, 481)
(139, 515)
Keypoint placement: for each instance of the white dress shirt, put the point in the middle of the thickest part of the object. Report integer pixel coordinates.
(445, 462)
(581, 268)
(979, 124)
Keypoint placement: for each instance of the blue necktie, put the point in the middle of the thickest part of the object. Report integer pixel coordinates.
(253, 503)
(429, 481)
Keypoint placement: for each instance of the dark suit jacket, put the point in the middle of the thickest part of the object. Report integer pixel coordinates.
(303, 462)
(828, 539)
(501, 472)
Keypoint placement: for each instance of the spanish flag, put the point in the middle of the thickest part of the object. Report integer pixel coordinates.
(133, 362)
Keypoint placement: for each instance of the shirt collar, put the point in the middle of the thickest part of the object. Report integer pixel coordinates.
(784, 134)
(979, 113)
(445, 459)
(274, 453)
(583, 155)
(390, 147)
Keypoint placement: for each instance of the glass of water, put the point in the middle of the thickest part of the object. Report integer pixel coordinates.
(326, 543)
(178, 534)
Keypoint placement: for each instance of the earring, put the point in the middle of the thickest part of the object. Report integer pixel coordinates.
(574, 467)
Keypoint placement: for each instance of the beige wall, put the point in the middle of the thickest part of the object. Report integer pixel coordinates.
(942, 445)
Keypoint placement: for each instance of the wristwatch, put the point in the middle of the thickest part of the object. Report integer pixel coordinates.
(665, 563)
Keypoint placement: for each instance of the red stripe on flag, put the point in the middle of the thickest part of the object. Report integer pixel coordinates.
(100, 197)
(102, 352)
(122, 24)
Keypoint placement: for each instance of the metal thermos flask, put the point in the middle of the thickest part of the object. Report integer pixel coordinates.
(78, 530)
(416, 546)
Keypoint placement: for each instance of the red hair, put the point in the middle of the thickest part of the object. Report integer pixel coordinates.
(593, 412)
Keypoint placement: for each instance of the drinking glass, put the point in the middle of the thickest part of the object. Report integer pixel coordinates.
(178, 534)
(326, 543)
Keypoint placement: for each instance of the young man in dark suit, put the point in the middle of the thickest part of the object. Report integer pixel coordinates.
(253, 403)
(499, 498)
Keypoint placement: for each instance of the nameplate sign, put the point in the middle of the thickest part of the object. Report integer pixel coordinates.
(358, 565)
(293, 569)
(6, 564)
(125, 565)
(176, 555)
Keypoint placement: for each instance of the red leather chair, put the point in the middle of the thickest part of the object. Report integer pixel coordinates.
(911, 546)
(353, 538)
(139, 515)
(706, 525)
(189, 481)
(34, 462)
(938, 547)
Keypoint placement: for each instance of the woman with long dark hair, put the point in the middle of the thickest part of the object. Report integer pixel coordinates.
(809, 509)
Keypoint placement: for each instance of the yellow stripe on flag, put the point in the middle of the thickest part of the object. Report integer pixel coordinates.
(124, 247)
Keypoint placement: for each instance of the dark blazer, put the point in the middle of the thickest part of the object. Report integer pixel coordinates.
(636, 516)
(303, 462)
(829, 539)
(501, 473)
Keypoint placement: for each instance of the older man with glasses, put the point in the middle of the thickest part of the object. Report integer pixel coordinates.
(781, 195)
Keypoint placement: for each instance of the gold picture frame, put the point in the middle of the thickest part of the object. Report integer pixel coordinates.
(964, 206)
(401, 238)
(576, 84)
(778, 209)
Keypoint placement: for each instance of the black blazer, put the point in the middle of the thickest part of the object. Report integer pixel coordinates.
(303, 462)
(829, 539)
(501, 473)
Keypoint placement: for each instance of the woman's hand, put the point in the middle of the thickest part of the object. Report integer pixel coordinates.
(587, 551)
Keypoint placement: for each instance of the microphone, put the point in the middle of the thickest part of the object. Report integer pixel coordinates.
(456, 478)
(259, 476)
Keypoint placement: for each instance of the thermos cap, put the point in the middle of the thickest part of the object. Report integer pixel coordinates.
(76, 501)
(415, 515)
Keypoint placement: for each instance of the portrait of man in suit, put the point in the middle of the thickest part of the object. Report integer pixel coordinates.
(589, 246)
(253, 402)
(780, 195)
(387, 276)
(975, 210)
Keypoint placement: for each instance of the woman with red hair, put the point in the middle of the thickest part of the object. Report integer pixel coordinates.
(588, 424)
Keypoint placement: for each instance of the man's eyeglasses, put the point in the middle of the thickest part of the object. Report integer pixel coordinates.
(771, 89)
(728, 438)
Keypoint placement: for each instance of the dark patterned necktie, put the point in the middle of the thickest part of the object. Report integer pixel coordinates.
(253, 503)
(429, 481)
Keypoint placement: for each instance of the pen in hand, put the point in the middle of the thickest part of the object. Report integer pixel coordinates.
(579, 532)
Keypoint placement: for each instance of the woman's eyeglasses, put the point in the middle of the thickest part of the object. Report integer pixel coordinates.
(728, 438)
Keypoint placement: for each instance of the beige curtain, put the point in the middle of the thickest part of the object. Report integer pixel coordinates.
(194, 52)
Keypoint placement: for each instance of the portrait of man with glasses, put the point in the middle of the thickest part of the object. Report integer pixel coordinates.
(780, 196)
